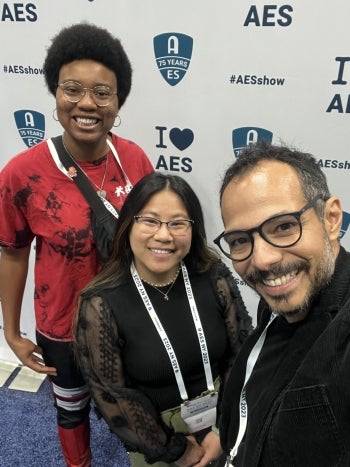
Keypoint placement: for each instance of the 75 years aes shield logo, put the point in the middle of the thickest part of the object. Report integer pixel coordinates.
(173, 52)
(30, 125)
(244, 136)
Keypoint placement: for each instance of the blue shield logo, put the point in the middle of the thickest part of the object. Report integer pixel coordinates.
(31, 126)
(173, 52)
(244, 136)
(345, 224)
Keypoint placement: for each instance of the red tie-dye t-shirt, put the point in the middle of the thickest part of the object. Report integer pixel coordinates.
(38, 201)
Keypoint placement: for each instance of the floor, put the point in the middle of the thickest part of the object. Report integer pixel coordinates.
(24, 379)
(28, 432)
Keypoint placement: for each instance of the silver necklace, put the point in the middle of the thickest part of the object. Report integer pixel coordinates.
(171, 283)
(100, 191)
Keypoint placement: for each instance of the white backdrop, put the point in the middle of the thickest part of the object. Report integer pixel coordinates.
(208, 79)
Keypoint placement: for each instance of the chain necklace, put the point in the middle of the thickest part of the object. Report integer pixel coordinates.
(171, 283)
(100, 191)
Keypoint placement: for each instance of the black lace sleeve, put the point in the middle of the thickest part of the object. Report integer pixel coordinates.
(128, 412)
(237, 319)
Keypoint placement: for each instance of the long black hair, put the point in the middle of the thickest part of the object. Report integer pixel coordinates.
(200, 256)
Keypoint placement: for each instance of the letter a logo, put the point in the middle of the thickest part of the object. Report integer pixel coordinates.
(244, 136)
(173, 52)
(31, 126)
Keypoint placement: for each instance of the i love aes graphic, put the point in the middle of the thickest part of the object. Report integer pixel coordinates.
(174, 144)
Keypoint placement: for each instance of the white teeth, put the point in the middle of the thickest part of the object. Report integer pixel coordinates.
(161, 252)
(86, 121)
(280, 280)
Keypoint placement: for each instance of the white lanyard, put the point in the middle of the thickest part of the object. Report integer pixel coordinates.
(243, 407)
(128, 185)
(61, 167)
(166, 342)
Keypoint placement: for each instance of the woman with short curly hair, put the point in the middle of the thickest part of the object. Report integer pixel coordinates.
(89, 73)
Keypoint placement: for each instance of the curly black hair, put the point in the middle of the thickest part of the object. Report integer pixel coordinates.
(88, 41)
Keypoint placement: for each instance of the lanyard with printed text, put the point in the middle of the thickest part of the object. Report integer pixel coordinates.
(166, 342)
(243, 407)
(128, 185)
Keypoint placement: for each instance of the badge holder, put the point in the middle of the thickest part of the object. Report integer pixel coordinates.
(200, 413)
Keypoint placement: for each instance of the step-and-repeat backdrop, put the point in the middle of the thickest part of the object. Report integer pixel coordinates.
(209, 78)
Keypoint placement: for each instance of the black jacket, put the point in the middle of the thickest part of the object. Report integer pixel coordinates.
(304, 418)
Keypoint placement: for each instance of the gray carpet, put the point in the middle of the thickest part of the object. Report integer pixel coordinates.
(28, 436)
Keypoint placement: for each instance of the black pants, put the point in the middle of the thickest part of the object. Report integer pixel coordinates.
(72, 398)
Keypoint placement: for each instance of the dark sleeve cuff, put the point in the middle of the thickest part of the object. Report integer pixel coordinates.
(173, 451)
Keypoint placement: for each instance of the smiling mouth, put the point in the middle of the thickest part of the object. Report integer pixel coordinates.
(86, 121)
(161, 252)
(280, 280)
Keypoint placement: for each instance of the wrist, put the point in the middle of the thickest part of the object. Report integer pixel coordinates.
(11, 337)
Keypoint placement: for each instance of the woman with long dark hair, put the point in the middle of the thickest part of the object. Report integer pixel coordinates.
(157, 330)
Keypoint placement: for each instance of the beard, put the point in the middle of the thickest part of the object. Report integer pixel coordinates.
(321, 277)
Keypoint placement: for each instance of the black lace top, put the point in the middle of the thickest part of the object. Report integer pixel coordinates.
(127, 368)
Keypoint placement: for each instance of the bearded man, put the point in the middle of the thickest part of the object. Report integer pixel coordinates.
(287, 402)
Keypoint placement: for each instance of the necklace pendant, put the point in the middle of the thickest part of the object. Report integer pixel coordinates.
(101, 193)
(166, 297)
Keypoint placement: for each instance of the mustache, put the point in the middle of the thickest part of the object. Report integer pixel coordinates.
(256, 276)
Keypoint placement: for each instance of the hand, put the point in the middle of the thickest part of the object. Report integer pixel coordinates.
(192, 455)
(212, 449)
(31, 356)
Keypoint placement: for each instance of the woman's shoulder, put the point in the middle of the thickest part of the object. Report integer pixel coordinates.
(29, 166)
(126, 145)
(28, 157)
(217, 274)
(219, 269)
(106, 294)
(223, 280)
(132, 157)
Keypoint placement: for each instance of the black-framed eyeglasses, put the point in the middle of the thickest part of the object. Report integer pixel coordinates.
(150, 225)
(282, 231)
(73, 92)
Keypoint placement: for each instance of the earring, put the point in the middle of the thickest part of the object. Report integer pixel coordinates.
(54, 115)
(119, 121)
